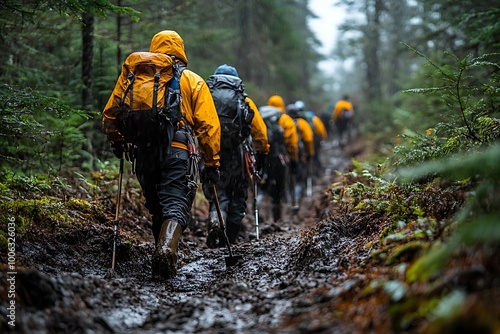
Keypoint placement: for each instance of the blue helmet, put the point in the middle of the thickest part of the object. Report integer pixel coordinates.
(226, 69)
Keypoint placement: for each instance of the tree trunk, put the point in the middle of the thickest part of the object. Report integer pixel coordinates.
(87, 60)
(373, 10)
(119, 59)
(396, 10)
(244, 61)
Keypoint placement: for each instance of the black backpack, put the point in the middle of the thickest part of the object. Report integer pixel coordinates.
(235, 116)
(275, 133)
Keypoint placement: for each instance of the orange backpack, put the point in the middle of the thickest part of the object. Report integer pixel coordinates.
(144, 106)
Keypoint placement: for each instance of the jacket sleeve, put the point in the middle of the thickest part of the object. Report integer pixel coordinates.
(320, 128)
(108, 121)
(199, 111)
(258, 130)
(336, 111)
(291, 137)
(307, 135)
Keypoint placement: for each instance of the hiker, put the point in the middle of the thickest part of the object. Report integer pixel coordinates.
(306, 150)
(342, 117)
(164, 170)
(250, 133)
(277, 168)
(320, 134)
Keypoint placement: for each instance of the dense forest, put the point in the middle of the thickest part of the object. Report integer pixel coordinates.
(423, 76)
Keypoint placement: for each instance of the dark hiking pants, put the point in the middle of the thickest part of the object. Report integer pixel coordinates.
(164, 185)
(276, 173)
(232, 191)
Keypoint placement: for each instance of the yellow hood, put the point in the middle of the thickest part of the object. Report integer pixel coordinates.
(169, 42)
(276, 101)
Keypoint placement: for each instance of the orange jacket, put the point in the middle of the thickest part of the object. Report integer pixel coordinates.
(306, 135)
(197, 106)
(258, 129)
(288, 125)
(319, 128)
(341, 106)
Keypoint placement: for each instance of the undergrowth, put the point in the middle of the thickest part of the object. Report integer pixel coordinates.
(440, 191)
(52, 203)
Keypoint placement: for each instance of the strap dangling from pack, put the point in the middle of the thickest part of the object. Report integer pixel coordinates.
(193, 162)
(130, 88)
(154, 110)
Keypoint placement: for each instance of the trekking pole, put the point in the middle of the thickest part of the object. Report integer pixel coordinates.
(254, 176)
(255, 207)
(192, 176)
(295, 207)
(231, 260)
(118, 200)
(309, 178)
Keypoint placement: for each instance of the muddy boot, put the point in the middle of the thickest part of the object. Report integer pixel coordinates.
(215, 237)
(165, 253)
(232, 232)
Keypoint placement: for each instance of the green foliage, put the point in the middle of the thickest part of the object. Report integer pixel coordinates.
(477, 20)
(463, 149)
(38, 133)
(372, 191)
(49, 202)
(478, 219)
(440, 188)
(27, 10)
(472, 110)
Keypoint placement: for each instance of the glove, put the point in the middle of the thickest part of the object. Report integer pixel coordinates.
(293, 166)
(211, 175)
(118, 148)
(260, 160)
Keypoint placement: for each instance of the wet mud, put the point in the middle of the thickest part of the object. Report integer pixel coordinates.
(64, 283)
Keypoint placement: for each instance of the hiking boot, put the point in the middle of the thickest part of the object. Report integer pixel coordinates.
(215, 237)
(232, 230)
(165, 253)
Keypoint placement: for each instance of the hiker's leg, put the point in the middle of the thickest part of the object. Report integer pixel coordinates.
(237, 207)
(223, 185)
(148, 175)
(317, 165)
(173, 191)
(215, 237)
(175, 200)
(279, 190)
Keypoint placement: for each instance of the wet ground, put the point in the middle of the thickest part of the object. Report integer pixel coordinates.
(64, 283)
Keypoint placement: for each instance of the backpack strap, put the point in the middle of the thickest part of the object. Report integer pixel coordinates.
(131, 79)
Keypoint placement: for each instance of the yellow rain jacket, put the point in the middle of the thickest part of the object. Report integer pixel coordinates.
(341, 106)
(319, 128)
(307, 135)
(198, 109)
(258, 129)
(288, 125)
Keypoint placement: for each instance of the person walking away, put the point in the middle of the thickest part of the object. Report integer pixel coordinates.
(163, 170)
(306, 154)
(240, 122)
(320, 134)
(276, 174)
(342, 117)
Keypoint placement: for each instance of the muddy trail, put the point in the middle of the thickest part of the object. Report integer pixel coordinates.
(282, 284)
